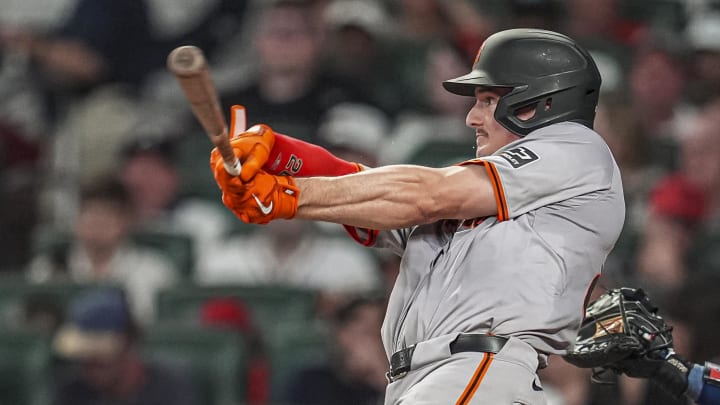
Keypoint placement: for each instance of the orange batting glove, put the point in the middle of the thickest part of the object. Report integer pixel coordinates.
(265, 198)
(252, 147)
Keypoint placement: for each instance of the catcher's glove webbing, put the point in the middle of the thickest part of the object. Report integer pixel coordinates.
(622, 333)
(621, 323)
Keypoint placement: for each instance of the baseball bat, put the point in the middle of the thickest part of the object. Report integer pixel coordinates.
(191, 70)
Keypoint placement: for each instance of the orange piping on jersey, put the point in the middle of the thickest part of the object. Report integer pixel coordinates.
(476, 379)
(498, 190)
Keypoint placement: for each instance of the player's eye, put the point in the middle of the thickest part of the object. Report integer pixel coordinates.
(489, 101)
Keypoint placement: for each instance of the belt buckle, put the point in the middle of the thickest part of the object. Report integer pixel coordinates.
(392, 378)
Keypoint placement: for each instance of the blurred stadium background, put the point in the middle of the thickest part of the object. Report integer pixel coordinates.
(104, 178)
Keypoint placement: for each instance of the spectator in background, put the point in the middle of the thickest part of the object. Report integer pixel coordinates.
(87, 69)
(354, 132)
(101, 339)
(102, 41)
(459, 22)
(443, 118)
(106, 41)
(150, 173)
(333, 266)
(602, 22)
(99, 251)
(356, 372)
(543, 14)
(41, 314)
(681, 203)
(290, 89)
(19, 182)
(601, 27)
(206, 24)
(657, 85)
(356, 50)
(618, 125)
(421, 27)
(703, 32)
(232, 315)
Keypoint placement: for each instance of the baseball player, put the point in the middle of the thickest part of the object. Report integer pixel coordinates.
(498, 252)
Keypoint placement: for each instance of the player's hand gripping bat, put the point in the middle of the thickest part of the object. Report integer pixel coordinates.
(191, 70)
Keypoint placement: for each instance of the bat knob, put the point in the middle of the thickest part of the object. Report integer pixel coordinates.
(187, 60)
(234, 169)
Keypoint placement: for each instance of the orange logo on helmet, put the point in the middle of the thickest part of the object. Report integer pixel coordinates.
(477, 56)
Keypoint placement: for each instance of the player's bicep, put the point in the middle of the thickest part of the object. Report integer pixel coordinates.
(467, 191)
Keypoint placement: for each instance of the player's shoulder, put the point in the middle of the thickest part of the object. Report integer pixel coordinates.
(569, 135)
(554, 142)
(566, 130)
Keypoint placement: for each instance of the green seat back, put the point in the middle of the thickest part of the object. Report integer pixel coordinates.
(197, 178)
(269, 305)
(25, 361)
(293, 346)
(216, 361)
(16, 292)
(177, 247)
(704, 253)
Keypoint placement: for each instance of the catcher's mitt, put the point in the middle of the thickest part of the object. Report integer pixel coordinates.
(621, 324)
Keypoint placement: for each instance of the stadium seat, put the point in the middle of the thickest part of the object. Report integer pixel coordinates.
(25, 364)
(197, 179)
(704, 255)
(293, 346)
(178, 247)
(16, 294)
(270, 305)
(216, 361)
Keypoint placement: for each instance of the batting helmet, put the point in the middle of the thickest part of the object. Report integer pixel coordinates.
(543, 69)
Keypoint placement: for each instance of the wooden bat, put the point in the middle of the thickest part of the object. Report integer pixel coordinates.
(191, 70)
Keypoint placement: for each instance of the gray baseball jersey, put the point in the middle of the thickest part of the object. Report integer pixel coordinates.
(524, 273)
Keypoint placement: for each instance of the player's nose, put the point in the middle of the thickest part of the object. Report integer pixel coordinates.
(473, 119)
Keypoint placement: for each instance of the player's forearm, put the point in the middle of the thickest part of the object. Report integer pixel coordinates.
(390, 197)
(392, 200)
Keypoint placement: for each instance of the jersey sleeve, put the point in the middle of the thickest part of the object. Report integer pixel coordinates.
(393, 240)
(551, 165)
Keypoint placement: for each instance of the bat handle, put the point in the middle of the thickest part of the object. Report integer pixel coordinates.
(230, 161)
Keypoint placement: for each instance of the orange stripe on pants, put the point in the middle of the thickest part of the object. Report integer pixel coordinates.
(475, 380)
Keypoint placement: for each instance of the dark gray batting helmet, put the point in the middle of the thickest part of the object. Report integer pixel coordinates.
(542, 69)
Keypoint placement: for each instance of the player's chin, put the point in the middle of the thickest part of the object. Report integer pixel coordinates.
(481, 150)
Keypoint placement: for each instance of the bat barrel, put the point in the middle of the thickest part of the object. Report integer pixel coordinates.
(190, 68)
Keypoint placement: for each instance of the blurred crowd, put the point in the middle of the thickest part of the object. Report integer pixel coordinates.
(104, 172)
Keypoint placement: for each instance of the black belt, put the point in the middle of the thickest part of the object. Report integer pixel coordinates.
(400, 360)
